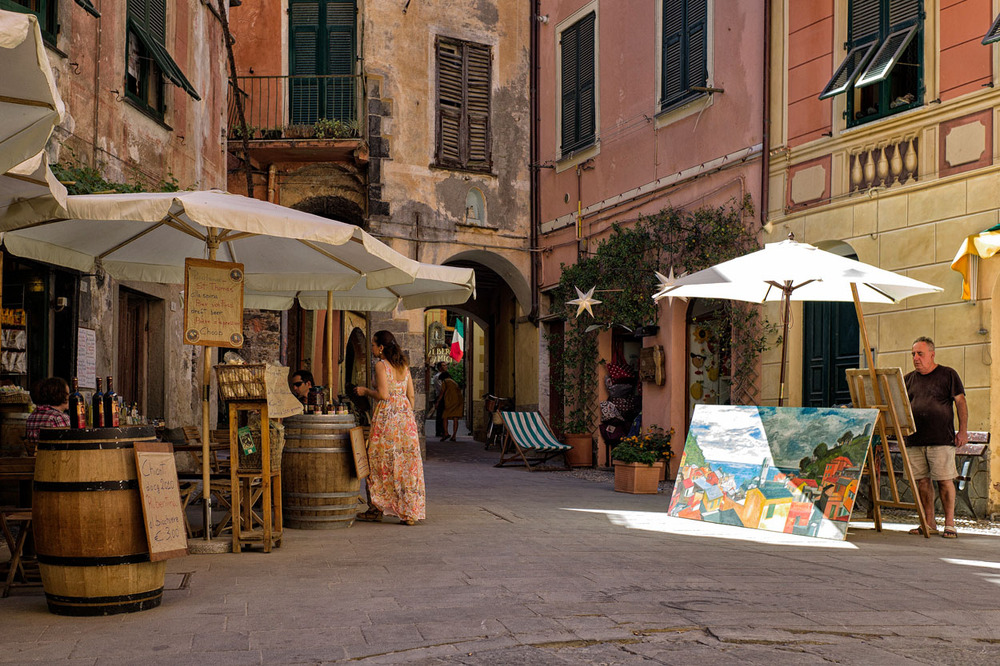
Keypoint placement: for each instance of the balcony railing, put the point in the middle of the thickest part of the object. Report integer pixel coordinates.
(297, 107)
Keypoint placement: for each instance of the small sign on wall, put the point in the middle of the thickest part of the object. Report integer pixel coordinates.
(213, 303)
(652, 362)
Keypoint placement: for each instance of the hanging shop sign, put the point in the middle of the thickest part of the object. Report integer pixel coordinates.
(213, 303)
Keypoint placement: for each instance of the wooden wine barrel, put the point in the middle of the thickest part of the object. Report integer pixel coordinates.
(318, 480)
(89, 532)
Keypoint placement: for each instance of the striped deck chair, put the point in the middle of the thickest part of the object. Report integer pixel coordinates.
(527, 436)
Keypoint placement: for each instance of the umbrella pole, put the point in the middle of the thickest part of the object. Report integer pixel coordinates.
(329, 344)
(784, 349)
(206, 479)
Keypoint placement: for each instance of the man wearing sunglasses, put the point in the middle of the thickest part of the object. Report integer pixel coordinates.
(300, 384)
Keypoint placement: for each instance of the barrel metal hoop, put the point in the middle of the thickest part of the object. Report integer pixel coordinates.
(109, 561)
(323, 519)
(308, 437)
(83, 486)
(322, 495)
(299, 449)
(138, 596)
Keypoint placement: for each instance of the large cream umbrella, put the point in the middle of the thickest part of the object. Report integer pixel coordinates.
(146, 237)
(30, 105)
(433, 286)
(29, 192)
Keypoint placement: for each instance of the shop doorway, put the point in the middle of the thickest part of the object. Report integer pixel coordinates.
(140, 354)
(709, 358)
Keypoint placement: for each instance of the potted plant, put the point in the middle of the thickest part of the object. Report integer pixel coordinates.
(639, 461)
(578, 382)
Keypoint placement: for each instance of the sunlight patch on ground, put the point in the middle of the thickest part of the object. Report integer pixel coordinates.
(972, 563)
(905, 527)
(661, 522)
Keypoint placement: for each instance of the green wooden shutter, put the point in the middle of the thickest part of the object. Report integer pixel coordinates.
(696, 50)
(685, 50)
(304, 61)
(341, 19)
(477, 86)
(450, 82)
(672, 70)
(578, 78)
(903, 11)
(864, 20)
(156, 12)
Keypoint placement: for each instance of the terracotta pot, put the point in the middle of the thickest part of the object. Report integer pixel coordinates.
(637, 478)
(582, 454)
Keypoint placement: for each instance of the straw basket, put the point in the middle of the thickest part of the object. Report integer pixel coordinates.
(241, 382)
(253, 462)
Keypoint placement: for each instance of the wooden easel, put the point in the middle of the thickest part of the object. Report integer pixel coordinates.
(886, 412)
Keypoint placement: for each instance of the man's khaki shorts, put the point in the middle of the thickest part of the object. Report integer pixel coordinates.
(936, 463)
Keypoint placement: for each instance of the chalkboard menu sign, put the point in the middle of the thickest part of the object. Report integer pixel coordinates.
(161, 500)
(213, 303)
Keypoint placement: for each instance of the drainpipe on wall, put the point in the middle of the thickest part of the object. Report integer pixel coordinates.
(97, 86)
(535, 205)
(765, 139)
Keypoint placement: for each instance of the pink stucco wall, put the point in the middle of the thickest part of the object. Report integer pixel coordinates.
(633, 153)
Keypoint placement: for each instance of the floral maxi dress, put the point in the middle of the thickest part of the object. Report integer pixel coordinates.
(396, 480)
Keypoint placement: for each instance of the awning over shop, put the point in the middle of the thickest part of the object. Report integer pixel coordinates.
(977, 246)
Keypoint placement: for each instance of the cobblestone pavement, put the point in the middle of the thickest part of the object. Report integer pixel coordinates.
(553, 568)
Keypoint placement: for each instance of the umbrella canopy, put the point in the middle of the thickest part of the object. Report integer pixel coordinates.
(146, 237)
(30, 105)
(983, 245)
(791, 271)
(30, 193)
(802, 271)
(433, 286)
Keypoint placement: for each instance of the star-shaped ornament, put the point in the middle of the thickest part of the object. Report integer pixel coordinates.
(666, 282)
(584, 301)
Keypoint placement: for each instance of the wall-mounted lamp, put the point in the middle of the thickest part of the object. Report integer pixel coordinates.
(60, 303)
(542, 18)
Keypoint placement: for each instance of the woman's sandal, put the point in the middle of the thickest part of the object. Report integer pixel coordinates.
(408, 521)
(949, 532)
(370, 516)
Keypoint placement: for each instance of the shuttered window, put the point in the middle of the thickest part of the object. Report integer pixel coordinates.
(464, 76)
(148, 64)
(322, 59)
(578, 103)
(44, 11)
(883, 70)
(684, 64)
(993, 34)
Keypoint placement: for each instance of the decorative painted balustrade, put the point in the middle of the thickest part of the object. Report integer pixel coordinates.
(888, 163)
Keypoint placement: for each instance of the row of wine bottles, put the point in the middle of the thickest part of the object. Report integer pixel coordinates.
(104, 408)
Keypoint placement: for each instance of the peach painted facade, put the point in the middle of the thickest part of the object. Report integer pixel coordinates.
(900, 188)
(705, 151)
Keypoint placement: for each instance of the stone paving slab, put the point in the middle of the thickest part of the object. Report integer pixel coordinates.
(513, 567)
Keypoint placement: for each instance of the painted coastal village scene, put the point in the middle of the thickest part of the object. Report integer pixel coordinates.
(793, 470)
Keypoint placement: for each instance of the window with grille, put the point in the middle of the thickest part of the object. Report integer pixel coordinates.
(464, 76)
(148, 64)
(882, 73)
(578, 110)
(684, 66)
(323, 46)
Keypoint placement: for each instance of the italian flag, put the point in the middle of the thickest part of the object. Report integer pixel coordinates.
(458, 341)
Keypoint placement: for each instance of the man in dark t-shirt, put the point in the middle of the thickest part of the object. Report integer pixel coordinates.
(932, 389)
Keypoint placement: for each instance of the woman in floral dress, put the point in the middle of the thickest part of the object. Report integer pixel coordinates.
(396, 481)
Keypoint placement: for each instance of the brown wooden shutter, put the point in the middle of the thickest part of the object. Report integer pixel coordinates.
(463, 104)
(449, 103)
(478, 70)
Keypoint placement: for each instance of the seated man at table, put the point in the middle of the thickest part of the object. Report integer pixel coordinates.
(300, 383)
(51, 398)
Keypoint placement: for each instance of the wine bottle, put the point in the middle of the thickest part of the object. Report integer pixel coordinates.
(97, 406)
(111, 408)
(77, 408)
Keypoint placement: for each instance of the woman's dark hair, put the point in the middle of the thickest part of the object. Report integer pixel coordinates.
(391, 350)
(52, 391)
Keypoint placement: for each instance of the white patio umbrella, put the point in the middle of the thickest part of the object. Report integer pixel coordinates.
(29, 192)
(146, 237)
(433, 286)
(791, 271)
(30, 105)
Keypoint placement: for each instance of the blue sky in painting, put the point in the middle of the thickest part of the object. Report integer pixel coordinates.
(782, 436)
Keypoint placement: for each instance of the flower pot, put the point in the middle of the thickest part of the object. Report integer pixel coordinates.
(637, 478)
(582, 454)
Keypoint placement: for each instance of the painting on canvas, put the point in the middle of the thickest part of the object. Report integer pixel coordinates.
(782, 469)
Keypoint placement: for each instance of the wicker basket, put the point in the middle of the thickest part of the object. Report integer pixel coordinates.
(241, 382)
(15, 397)
(253, 462)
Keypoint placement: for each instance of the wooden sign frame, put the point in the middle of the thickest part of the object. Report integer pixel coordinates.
(891, 381)
(360, 452)
(159, 491)
(203, 307)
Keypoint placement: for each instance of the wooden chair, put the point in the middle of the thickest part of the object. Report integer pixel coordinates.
(527, 436)
(21, 571)
(220, 488)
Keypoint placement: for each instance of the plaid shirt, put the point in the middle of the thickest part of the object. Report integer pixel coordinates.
(44, 416)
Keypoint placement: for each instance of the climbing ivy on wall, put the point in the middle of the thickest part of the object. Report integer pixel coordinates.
(623, 270)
